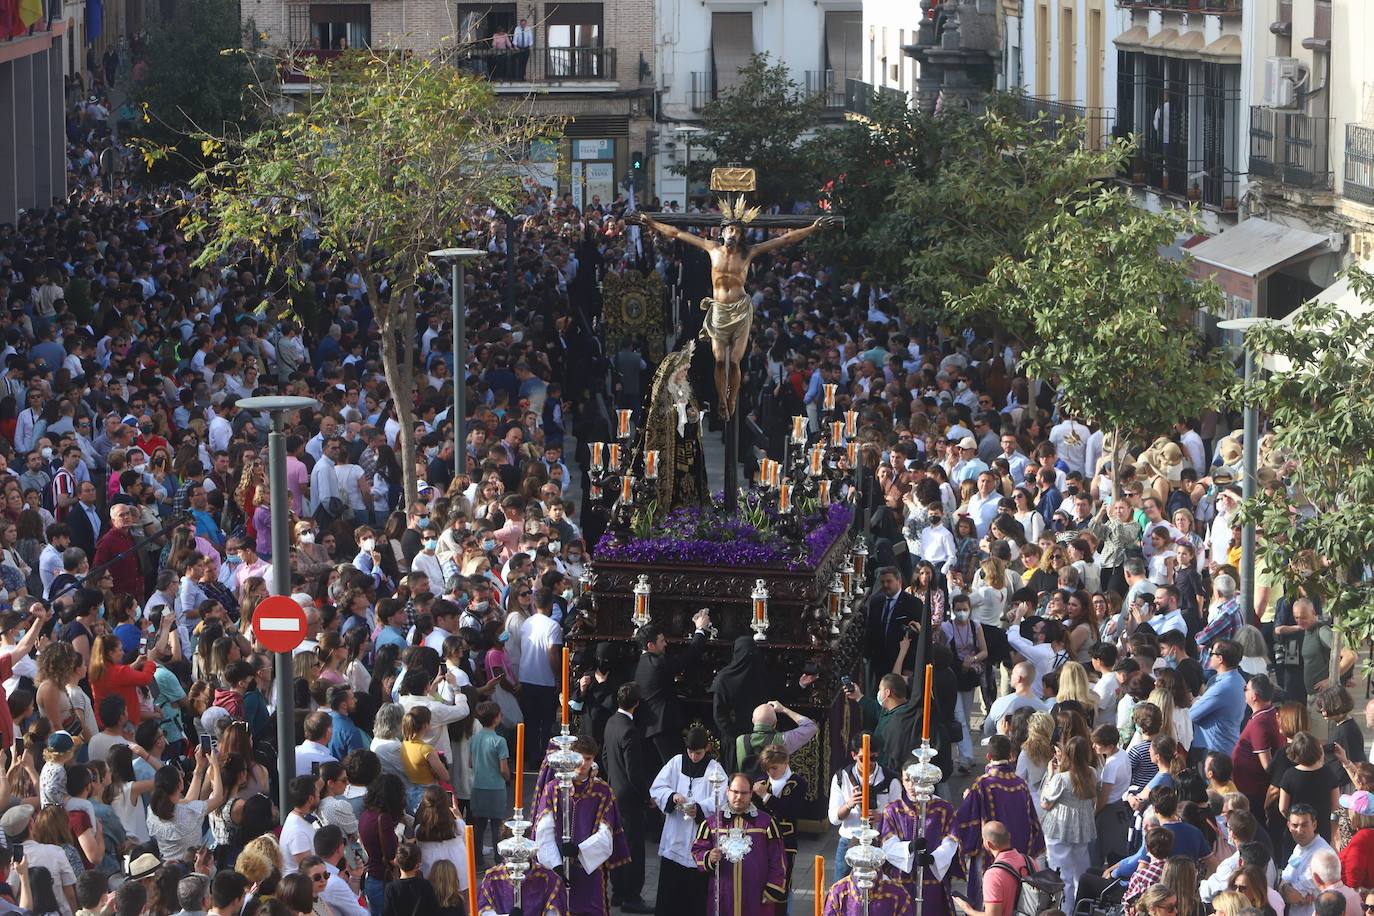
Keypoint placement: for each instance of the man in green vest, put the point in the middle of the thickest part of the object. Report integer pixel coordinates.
(891, 719)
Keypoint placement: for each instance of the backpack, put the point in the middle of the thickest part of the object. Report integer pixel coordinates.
(1036, 891)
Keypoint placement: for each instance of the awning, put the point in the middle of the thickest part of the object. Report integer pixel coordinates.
(732, 44)
(1239, 259)
(1187, 44)
(1341, 295)
(1159, 41)
(1225, 50)
(1131, 39)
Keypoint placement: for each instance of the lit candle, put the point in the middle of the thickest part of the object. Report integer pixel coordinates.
(622, 423)
(472, 869)
(615, 454)
(565, 685)
(651, 464)
(830, 396)
(817, 461)
(641, 604)
(596, 454)
(759, 605)
(820, 884)
(925, 716)
(835, 599)
(851, 422)
(785, 497)
(863, 802)
(837, 432)
(627, 489)
(825, 492)
(799, 429)
(519, 764)
(851, 453)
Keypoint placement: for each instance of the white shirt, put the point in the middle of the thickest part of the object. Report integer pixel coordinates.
(1108, 690)
(45, 855)
(937, 547)
(340, 896)
(308, 753)
(454, 850)
(1041, 655)
(1298, 872)
(1070, 440)
(678, 832)
(882, 789)
(323, 484)
(50, 565)
(297, 836)
(1163, 623)
(983, 511)
(441, 714)
(219, 433)
(538, 634)
(1116, 775)
(1191, 443)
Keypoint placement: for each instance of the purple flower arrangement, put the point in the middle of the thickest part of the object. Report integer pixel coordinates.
(708, 537)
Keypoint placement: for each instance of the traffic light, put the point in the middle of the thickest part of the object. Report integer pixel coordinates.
(636, 162)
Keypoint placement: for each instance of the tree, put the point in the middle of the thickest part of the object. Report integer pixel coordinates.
(760, 122)
(199, 77)
(1320, 404)
(1107, 315)
(386, 161)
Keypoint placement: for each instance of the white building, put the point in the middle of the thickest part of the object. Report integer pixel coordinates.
(700, 46)
(888, 27)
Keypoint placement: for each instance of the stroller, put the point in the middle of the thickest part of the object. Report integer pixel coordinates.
(1108, 902)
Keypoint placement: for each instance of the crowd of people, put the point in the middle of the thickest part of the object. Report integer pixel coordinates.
(1143, 734)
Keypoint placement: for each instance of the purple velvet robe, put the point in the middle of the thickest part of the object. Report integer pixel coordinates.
(899, 820)
(756, 882)
(887, 898)
(541, 893)
(999, 795)
(593, 804)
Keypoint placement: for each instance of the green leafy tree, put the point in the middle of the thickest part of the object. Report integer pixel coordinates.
(760, 122)
(386, 161)
(1320, 405)
(1108, 316)
(995, 180)
(200, 76)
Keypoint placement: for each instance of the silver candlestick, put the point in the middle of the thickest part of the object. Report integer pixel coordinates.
(864, 860)
(924, 777)
(717, 779)
(517, 850)
(565, 763)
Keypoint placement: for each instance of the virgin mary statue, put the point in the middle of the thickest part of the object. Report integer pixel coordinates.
(673, 428)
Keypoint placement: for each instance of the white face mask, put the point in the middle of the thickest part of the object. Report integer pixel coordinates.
(961, 616)
(307, 537)
(368, 545)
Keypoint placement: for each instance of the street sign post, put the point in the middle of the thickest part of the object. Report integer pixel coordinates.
(279, 623)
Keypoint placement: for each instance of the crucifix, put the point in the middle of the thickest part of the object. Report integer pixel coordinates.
(729, 309)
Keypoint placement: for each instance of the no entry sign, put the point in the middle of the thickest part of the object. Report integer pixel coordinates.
(279, 623)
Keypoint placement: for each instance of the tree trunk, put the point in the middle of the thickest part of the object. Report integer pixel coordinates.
(398, 368)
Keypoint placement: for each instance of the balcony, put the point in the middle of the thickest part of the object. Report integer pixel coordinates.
(824, 84)
(294, 65)
(1290, 148)
(1095, 124)
(1215, 7)
(859, 96)
(703, 90)
(1359, 164)
(544, 66)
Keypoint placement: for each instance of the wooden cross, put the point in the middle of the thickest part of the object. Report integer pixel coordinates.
(762, 221)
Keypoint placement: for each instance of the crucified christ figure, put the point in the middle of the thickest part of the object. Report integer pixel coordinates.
(730, 313)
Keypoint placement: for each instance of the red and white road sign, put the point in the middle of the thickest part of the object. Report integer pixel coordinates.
(279, 623)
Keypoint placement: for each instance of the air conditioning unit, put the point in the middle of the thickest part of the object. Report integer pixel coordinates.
(1283, 77)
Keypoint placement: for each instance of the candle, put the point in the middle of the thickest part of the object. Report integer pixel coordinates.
(799, 429)
(596, 448)
(472, 869)
(851, 422)
(785, 497)
(820, 884)
(627, 489)
(825, 492)
(641, 604)
(615, 454)
(863, 802)
(837, 432)
(565, 685)
(519, 764)
(835, 599)
(622, 423)
(925, 717)
(817, 461)
(851, 453)
(651, 464)
(759, 605)
(830, 396)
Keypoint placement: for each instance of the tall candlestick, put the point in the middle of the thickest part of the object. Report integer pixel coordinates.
(565, 685)
(472, 869)
(863, 802)
(925, 716)
(820, 884)
(519, 764)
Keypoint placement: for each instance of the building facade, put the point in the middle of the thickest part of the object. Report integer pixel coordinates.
(700, 47)
(590, 61)
(33, 116)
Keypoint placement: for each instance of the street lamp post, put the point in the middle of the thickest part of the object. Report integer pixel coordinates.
(457, 258)
(1251, 461)
(277, 408)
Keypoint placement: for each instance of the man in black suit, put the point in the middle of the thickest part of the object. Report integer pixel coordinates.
(656, 674)
(86, 520)
(890, 610)
(629, 779)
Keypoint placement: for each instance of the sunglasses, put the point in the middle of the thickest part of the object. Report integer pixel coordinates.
(1369, 907)
(320, 877)
(1168, 907)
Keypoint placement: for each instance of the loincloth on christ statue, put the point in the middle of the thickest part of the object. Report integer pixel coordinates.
(727, 322)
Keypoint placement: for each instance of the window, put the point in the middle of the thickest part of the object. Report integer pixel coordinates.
(843, 44)
(1042, 50)
(1068, 56)
(477, 22)
(573, 33)
(732, 44)
(339, 26)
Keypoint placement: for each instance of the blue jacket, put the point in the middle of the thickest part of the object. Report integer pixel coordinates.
(347, 736)
(1217, 713)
